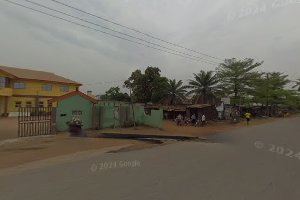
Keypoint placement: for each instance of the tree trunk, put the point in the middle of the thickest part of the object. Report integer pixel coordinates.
(204, 100)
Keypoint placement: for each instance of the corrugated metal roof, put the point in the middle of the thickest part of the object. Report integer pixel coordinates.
(199, 106)
(71, 94)
(36, 75)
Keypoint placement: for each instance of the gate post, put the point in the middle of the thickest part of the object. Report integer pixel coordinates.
(53, 121)
(101, 117)
(94, 122)
(122, 116)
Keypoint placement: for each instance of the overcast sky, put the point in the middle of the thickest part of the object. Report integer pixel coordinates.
(266, 30)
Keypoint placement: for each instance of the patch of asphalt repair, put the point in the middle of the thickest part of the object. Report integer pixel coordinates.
(151, 139)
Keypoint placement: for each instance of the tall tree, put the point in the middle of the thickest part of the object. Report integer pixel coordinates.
(147, 87)
(174, 92)
(269, 89)
(204, 84)
(236, 76)
(114, 94)
(297, 85)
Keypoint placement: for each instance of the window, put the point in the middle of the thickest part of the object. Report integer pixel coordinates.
(64, 88)
(41, 104)
(19, 85)
(18, 104)
(47, 87)
(2, 82)
(28, 104)
(49, 105)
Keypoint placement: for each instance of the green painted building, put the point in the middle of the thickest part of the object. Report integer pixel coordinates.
(93, 115)
(74, 105)
(117, 114)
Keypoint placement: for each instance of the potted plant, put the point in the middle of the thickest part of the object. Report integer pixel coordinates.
(75, 126)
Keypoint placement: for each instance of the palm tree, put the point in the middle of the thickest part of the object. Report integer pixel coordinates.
(236, 76)
(297, 85)
(174, 93)
(203, 85)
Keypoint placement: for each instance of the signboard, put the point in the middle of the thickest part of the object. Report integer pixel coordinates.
(76, 112)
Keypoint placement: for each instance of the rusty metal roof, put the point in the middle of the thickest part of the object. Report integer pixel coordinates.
(199, 106)
(28, 74)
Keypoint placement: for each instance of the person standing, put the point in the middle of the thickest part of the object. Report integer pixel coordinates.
(248, 117)
(193, 119)
(203, 120)
(179, 120)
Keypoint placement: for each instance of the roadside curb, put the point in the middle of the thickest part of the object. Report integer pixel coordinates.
(23, 139)
(59, 160)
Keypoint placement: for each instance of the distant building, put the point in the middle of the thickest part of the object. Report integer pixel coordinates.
(30, 88)
(171, 112)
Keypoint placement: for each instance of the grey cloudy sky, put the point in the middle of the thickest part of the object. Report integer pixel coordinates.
(265, 30)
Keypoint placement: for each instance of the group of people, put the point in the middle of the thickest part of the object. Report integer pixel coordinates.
(201, 121)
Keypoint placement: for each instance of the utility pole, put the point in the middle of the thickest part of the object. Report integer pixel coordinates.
(132, 107)
(267, 91)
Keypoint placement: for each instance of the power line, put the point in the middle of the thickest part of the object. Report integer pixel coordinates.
(119, 32)
(135, 30)
(88, 27)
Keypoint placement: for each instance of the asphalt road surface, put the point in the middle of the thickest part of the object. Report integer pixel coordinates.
(261, 162)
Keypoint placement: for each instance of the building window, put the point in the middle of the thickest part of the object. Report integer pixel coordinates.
(47, 87)
(64, 88)
(28, 104)
(41, 104)
(49, 105)
(18, 104)
(19, 85)
(2, 82)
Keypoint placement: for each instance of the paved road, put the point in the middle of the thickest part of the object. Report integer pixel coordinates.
(240, 165)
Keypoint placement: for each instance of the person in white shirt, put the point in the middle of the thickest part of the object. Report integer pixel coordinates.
(179, 120)
(203, 120)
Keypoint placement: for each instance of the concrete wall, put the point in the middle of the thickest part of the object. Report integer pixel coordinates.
(111, 115)
(106, 116)
(155, 119)
(139, 114)
(75, 103)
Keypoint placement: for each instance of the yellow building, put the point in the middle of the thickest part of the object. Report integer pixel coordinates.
(30, 88)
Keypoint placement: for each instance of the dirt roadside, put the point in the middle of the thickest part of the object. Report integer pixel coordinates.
(29, 150)
(8, 128)
(170, 129)
(40, 148)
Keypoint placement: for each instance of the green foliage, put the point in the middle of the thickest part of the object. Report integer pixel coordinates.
(174, 92)
(297, 85)
(204, 84)
(159, 85)
(292, 101)
(239, 78)
(236, 76)
(270, 89)
(114, 94)
(147, 87)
